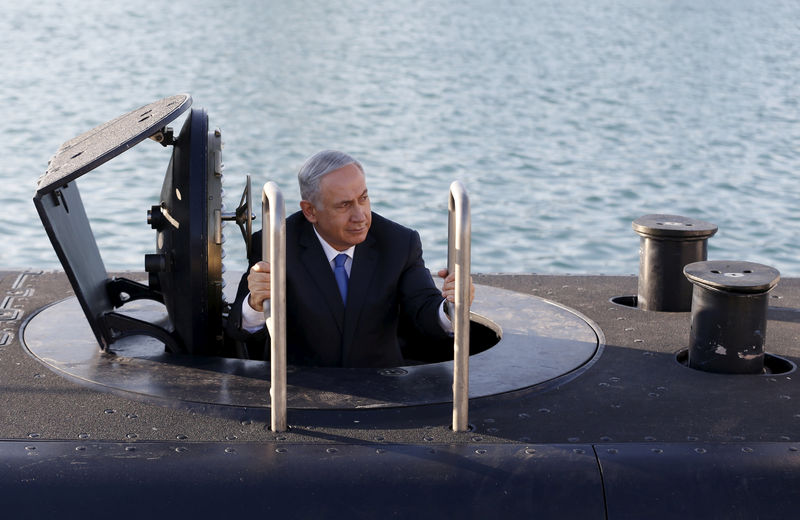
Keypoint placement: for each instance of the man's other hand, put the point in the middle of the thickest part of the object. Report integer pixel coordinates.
(258, 282)
(449, 287)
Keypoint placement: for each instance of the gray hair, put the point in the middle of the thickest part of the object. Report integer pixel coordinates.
(319, 165)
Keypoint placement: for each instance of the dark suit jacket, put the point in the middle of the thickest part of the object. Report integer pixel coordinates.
(388, 283)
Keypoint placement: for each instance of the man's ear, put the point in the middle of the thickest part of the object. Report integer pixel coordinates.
(309, 211)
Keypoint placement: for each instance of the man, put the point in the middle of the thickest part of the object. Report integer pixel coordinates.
(351, 276)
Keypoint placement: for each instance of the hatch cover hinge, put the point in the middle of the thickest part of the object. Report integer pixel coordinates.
(165, 136)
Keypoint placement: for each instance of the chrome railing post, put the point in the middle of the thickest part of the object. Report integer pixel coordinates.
(458, 262)
(273, 247)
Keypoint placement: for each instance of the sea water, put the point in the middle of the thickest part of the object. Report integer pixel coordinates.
(564, 120)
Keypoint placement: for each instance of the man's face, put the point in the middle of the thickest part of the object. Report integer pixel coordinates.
(343, 215)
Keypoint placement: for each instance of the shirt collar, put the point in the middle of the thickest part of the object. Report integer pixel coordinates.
(330, 251)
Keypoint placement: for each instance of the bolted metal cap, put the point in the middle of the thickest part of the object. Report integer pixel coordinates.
(732, 276)
(673, 227)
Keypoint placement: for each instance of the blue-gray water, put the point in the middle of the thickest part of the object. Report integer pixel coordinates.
(565, 120)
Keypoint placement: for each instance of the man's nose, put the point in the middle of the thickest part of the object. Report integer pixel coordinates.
(357, 214)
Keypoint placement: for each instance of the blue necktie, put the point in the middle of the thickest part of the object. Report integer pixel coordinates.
(341, 275)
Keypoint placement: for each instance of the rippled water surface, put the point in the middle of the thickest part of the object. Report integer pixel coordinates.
(564, 120)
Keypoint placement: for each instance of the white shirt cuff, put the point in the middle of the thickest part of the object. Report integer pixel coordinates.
(444, 321)
(252, 320)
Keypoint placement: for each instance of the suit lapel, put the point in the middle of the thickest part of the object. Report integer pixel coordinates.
(365, 261)
(319, 271)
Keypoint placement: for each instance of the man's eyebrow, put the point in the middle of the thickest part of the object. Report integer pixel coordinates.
(347, 201)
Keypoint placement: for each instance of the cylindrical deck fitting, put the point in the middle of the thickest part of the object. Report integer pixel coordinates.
(729, 315)
(669, 242)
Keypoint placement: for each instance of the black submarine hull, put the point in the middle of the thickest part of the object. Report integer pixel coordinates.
(636, 434)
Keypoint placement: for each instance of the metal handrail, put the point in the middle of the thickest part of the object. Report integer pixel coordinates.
(458, 261)
(273, 245)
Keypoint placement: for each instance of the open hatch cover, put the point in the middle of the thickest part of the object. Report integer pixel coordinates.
(61, 210)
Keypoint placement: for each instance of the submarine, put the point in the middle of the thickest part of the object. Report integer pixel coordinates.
(671, 394)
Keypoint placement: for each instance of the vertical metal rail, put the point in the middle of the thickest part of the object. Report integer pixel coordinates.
(459, 231)
(273, 246)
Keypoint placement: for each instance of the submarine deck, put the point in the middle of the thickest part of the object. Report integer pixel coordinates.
(634, 392)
